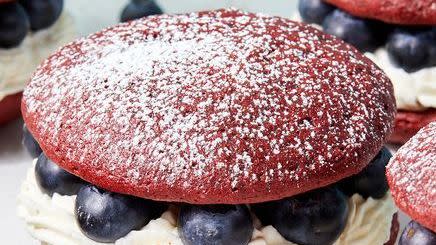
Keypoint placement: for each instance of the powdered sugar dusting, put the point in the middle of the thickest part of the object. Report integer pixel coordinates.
(212, 102)
(412, 176)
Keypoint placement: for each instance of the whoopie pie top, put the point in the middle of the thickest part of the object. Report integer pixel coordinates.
(210, 107)
(411, 174)
(405, 12)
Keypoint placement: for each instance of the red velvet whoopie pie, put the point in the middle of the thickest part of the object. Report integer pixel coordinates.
(400, 37)
(29, 32)
(286, 97)
(411, 174)
(9, 105)
(211, 108)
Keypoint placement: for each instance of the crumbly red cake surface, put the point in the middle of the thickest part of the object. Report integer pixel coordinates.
(411, 174)
(406, 12)
(10, 108)
(210, 107)
(408, 123)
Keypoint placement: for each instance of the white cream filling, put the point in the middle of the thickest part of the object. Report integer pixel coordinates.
(17, 64)
(52, 221)
(414, 91)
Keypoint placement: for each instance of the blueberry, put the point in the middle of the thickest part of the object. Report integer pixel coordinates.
(431, 39)
(30, 143)
(314, 11)
(416, 234)
(53, 179)
(412, 49)
(371, 181)
(42, 13)
(316, 217)
(140, 8)
(215, 224)
(356, 31)
(14, 25)
(104, 216)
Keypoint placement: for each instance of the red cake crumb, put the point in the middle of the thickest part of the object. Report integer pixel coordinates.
(411, 175)
(405, 12)
(211, 107)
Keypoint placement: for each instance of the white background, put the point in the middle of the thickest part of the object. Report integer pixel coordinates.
(90, 16)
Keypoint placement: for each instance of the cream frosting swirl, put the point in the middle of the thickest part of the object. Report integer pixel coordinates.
(414, 91)
(52, 221)
(17, 64)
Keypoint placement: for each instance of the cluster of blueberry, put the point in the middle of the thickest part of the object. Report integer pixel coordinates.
(411, 48)
(140, 8)
(316, 217)
(17, 18)
(319, 216)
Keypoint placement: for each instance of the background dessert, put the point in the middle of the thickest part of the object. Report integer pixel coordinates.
(14, 161)
(29, 32)
(401, 43)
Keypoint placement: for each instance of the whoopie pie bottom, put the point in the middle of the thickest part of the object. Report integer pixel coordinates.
(408, 123)
(61, 209)
(10, 108)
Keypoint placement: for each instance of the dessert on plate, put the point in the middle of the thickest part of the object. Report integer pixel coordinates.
(411, 176)
(400, 37)
(217, 127)
(29, 31)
